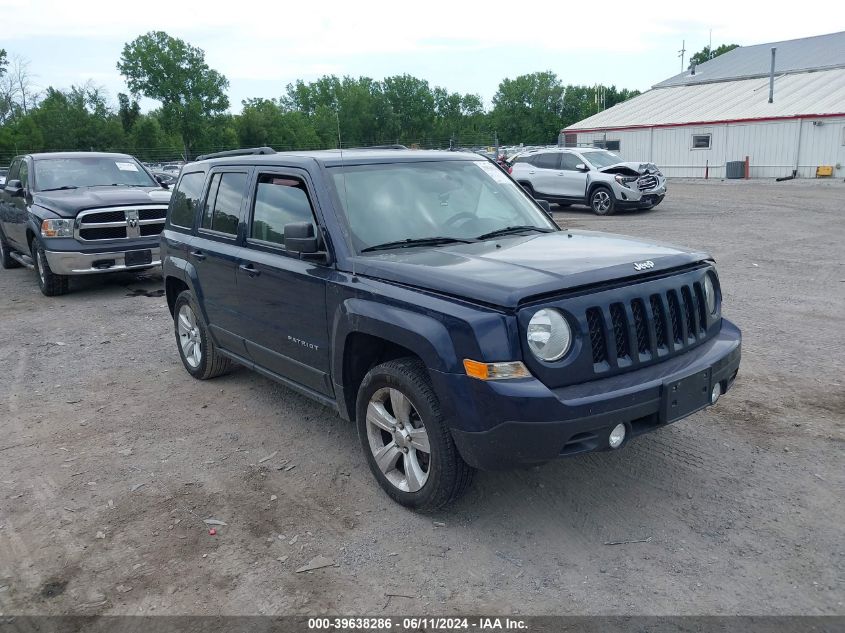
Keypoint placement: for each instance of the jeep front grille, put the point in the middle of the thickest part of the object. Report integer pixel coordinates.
(647, 182)
(119, 223)
(647, 327)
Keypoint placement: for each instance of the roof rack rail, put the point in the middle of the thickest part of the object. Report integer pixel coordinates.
(238, 152)
(394, 146)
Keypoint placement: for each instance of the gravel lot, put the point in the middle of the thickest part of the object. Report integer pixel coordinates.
(111, 456)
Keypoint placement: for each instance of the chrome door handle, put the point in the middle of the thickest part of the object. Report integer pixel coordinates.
(199, 255)
(250, 270)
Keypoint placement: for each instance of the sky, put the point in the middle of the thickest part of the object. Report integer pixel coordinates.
(464, 47)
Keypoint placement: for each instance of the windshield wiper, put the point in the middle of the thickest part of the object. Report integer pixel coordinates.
(126, 184)
(62, 188)
(513, 229)
(419, 241)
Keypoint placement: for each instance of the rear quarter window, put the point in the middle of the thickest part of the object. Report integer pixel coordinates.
(185, 199)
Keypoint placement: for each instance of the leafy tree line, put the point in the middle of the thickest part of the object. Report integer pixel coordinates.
(194, 116)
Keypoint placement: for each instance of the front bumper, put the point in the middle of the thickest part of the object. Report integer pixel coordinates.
(74, 263)
(628, 199)
(522, 422)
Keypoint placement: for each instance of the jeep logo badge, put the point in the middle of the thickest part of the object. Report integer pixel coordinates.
(644, 265)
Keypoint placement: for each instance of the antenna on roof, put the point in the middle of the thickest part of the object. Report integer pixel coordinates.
(682, 52)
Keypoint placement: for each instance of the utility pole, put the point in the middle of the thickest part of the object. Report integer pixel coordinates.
(682, 52)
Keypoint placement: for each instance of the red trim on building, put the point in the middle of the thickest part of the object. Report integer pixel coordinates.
(696, 123)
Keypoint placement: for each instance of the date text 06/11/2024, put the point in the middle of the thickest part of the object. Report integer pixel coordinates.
(481, 624)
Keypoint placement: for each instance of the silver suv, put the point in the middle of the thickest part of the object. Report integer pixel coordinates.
(595, 177)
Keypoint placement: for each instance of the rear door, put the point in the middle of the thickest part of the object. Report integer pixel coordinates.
(282, 297)
(544, 173)
(215, 253)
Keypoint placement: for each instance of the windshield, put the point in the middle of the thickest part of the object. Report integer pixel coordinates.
(57, 173)
(602, 159)
(463, 200)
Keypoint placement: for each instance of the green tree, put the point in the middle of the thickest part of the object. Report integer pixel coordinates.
(175, 73)
(528, 109)
(128, 111)
(705, 54)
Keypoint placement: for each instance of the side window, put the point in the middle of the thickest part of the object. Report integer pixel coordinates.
(223, 206)
(23, 174)
(210, 199)
(185, 200)
(279, 200)
(700, 141)
(13, 170)
(547, 160)
(569, 161)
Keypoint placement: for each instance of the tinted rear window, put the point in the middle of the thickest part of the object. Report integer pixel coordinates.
(186, 197)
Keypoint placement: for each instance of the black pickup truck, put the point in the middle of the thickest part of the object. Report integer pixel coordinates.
(427, 297)
(80, 213)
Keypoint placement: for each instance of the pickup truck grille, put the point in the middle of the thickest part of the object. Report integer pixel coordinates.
(119, 223)
(647, 182)
(647, 327)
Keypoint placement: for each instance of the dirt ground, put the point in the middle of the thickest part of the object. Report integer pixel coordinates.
(111, 456)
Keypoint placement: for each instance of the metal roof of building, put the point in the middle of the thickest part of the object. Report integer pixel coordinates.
(820, 93)
(808, 53)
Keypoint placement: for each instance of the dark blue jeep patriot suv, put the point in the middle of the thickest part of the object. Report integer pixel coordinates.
(425, 296)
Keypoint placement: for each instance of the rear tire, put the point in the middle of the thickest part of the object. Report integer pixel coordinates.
(398, 417)
(6, 260)
(196, 348)
(602, 201)
(51, 284)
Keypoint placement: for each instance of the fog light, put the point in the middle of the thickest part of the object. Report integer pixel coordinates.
(717, 391)
(617, 436)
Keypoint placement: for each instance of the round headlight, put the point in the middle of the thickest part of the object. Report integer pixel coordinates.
(549, 335)
(710, 294)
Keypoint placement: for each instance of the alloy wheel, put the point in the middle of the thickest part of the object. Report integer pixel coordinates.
(601, 201)
(398, 439)
(189, 336)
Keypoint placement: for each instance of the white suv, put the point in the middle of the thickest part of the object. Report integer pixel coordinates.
(595, 177)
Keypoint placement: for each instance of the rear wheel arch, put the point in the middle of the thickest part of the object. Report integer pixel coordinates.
(173, 286)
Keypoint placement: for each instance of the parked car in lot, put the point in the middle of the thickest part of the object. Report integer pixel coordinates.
(595, 177)
(79, 213)
(425, 296)
(166, 178)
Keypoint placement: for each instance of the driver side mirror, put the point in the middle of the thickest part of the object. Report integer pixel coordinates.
(14, 188)
(582, 167)
(161, 181)
(300, 240)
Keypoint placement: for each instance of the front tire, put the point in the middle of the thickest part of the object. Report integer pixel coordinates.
(6, 260)
(51, 284)
(197, 350)
(405, 438)
(602, 201)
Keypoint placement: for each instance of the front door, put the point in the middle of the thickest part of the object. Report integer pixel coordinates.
(283, 298)
(215, 253)
(15, 208)
(573, 181)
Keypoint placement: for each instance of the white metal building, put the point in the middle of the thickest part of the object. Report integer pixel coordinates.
(720, 112)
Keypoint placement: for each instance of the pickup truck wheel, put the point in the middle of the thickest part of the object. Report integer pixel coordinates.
(199, 354)
(405, 438)
(51, 284)
(602, 201)
(6, 260)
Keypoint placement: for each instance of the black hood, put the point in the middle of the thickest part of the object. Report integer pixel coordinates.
(69, 202)
(509, 271)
